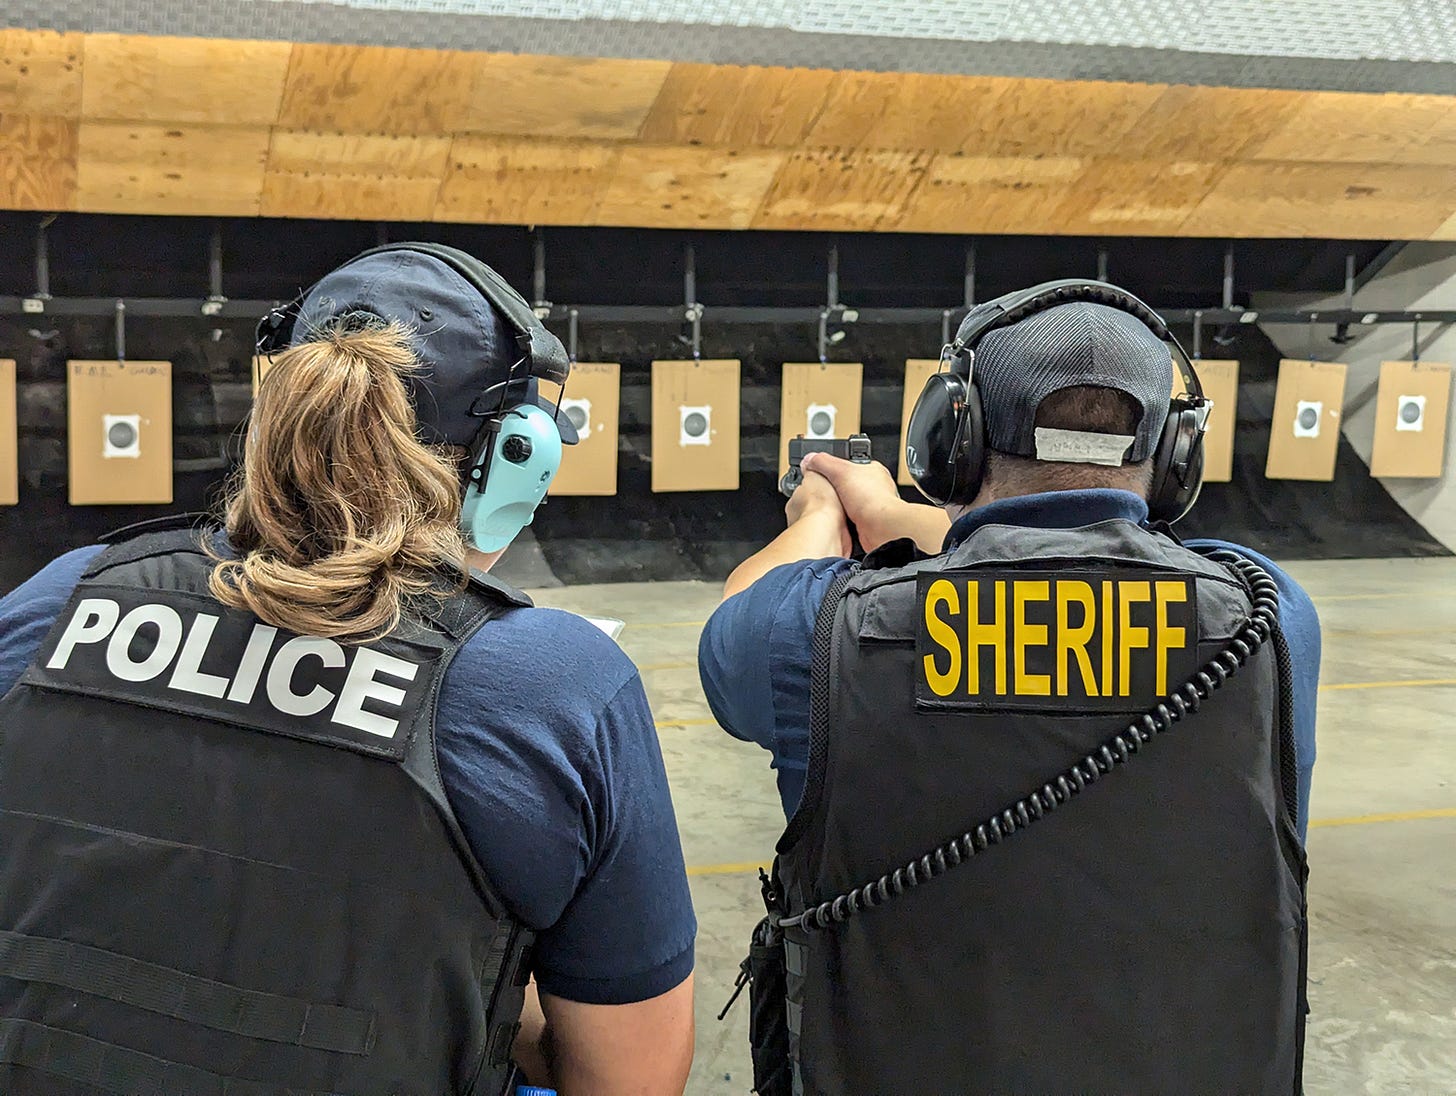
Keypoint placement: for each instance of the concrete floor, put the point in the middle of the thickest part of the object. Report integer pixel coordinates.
(1382, 845)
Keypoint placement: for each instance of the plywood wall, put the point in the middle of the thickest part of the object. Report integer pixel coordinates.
(142, 124)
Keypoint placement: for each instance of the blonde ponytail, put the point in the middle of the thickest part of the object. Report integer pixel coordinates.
(340, 513)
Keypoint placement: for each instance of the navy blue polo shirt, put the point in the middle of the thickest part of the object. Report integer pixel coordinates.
(754, 653)
(550, 759)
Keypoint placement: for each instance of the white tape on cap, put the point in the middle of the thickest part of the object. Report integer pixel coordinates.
(1081, 447)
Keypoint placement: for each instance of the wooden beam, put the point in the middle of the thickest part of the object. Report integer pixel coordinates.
(687, 187)
(532, 96)
(733, 106)
(843, 189)
(506, 180)
(1117, 197)
(375, 89)
(133, 78)
(40, 72)
(1337, 127)
(1210, 124)
(37, 162)
(137, 124)
(907, 111)
(191, 170)
(987, 193)
(1348, 201)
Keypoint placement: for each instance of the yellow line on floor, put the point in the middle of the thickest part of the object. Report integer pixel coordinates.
(1393, 816)
(1419, 684)
(668, 666)
(686, 723)
(729, 869)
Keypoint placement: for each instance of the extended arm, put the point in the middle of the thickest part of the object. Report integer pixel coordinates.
(817, 530)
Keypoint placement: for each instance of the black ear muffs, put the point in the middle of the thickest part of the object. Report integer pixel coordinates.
(1177, 464)
(945, 441)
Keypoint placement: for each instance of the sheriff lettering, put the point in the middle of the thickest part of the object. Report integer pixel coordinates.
(1114, 640)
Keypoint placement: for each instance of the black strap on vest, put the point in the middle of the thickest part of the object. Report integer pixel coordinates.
(1181, 702)
(184, 996)
(113, 1068)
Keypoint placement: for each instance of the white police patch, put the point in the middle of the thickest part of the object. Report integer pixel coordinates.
(184, 652)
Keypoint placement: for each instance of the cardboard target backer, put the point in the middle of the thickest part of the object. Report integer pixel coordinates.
(917, 372)
(592, 401)
(1220, 382)
(1411, 411)
(695, 421)
(9, 459)
(261, 365)
(1304, 433)
(819, 400)
(120, 432)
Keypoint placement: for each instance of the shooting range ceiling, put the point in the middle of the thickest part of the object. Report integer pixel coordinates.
(187, 125)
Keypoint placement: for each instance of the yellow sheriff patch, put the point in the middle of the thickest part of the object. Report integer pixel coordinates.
(1108, 640)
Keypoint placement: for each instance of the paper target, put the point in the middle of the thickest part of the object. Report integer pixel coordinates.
(1410, 413)
(121, 436)
(695, 425)
(1307, 417)
(819, 420)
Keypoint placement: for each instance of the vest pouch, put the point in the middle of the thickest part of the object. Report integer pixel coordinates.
(768, 1019)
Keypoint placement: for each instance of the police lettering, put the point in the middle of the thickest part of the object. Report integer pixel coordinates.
(1113, 640)
(146, 641)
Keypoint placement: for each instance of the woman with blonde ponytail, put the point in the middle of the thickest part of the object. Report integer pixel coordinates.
(340, 514)
(305, 801)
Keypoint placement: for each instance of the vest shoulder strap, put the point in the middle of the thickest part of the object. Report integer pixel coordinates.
(164, 537)
(190, 520)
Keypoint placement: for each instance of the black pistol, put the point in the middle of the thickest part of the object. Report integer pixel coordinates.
(856, 447)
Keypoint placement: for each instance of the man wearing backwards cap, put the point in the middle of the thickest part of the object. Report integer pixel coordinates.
(453, 792)
(940, 702)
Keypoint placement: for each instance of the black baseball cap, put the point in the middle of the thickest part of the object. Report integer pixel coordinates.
(1067, 346)
(465, 346)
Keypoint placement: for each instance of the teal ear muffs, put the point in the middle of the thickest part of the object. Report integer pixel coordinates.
(519, 460)
(517, 451)
(945, 441)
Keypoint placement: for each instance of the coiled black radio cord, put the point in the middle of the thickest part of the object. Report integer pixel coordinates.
(1183, 701)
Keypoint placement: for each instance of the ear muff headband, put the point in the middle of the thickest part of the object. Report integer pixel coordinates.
(945, 440)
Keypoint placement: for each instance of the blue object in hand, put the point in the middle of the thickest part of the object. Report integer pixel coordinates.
(532, 1090)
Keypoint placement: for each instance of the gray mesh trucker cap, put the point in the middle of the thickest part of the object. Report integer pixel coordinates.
(1080, 343)
(464, 345)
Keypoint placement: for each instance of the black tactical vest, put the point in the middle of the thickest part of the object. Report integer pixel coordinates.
(229, 867)
(1146, 933)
